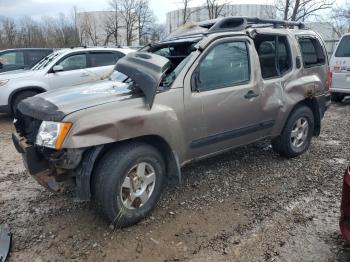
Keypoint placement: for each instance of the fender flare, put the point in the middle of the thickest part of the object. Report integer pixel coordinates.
(22, 89)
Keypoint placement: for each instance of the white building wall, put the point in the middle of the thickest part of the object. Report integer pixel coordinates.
(174, 18)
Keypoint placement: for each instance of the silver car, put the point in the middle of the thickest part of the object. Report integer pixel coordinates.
(63, 68)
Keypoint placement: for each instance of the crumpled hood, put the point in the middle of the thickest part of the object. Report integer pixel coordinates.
(55, 105)
(146, 70)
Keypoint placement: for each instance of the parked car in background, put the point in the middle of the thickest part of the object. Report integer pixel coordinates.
(340, 69)
(21, 58)
(345, 207)
(186, 98)
(63, 68)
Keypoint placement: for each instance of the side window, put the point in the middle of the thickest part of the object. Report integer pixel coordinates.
(34, 56)
(12, 58)
(74, 62)
(311, 51)
(98, 59)
(274, 55)
(225, 65)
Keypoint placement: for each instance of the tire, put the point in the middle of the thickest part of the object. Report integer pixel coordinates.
(336, 97)
(109, 193)
(21, 96)
(295, 139)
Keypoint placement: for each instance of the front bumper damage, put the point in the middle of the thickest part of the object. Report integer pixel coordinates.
(47, 168)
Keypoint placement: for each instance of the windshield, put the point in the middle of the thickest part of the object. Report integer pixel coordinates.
(170, 78)
(343, 49)
(117, 76)
(45, 61)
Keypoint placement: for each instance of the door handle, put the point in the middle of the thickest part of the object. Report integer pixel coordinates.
(250, 94)
(84, 75)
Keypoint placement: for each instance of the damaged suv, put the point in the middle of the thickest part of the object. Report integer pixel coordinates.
(213, 87)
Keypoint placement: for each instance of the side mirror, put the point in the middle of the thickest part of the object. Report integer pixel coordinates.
(195, 81)
(298, 62)
(57, 68)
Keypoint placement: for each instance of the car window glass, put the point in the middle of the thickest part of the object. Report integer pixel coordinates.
(274, 61)
(225, 65)
(312, 52)
(74, 62)
(34, 56)
(12, 58)
(103, 59)
(343, 49)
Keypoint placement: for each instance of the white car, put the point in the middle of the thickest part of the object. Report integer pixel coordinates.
(340, 68)
(63, 68)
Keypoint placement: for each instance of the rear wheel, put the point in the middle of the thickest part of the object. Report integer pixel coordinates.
(128, 182)
(296, 136)
(21, 96)
(336, 97)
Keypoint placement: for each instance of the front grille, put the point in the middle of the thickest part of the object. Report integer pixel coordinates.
(27, 126)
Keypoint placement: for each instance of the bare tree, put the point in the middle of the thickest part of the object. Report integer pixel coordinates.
(145, 20)
(9, 31)
(89, 28)
(112, 24)
(215, 8)
(299, 10)
(129, 16)
(341, 18)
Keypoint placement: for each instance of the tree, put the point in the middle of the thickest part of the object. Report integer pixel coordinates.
(341, 18)
(145, 20)
(215, 8)
(88, 27)
(9, 32)
(300, 10)
(129, 16)
(112, 25)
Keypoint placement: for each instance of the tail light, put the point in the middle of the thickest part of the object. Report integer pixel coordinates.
(329, 78)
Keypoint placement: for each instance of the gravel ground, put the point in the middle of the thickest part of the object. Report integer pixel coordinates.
(246, 205)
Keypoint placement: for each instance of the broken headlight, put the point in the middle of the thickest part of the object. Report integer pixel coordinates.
(52, 134)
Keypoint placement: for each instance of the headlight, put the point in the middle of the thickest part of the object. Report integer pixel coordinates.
(52, 134)
(4, 82)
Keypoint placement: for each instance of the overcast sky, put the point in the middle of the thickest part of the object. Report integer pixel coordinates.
(39, 8)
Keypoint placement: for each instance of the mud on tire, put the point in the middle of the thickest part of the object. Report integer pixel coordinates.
(114, 181)
(287, 143)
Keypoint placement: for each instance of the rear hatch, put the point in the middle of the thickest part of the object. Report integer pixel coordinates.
(340, 65)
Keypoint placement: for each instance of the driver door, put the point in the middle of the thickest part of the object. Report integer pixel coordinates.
(74, 71)
(223, 106)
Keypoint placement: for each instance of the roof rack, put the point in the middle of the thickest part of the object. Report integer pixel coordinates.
(236, 23)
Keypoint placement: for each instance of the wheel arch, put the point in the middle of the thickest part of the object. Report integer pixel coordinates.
(93, 155)
(17, 91)
(312, 103)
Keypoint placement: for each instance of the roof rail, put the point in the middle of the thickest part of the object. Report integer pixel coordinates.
(236, 23)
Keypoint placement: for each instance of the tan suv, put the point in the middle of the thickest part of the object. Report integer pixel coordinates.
(213, 87)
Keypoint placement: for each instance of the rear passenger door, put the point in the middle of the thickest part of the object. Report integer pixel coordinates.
(101, 63)
(225, 97)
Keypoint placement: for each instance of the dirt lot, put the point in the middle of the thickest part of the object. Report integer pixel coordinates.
(246, 205)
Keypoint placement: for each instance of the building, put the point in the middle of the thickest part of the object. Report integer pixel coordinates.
(97, 29)
(174, 19)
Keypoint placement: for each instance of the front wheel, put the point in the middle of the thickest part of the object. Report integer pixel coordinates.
(296, 136)
(128, 182)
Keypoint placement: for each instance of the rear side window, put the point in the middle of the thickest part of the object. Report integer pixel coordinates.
(274, 55)
(343, 49)
(312, 52)
(98, 59)
(12, 58)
